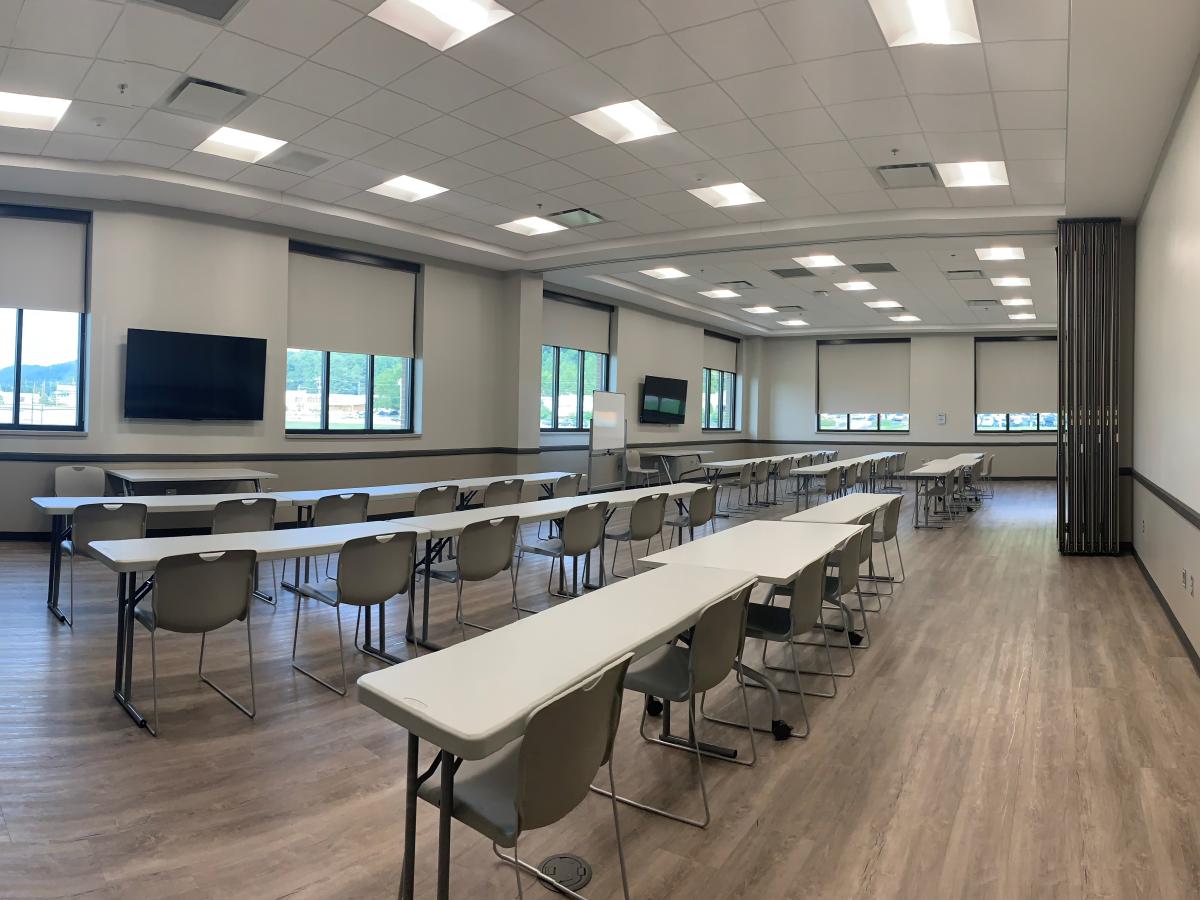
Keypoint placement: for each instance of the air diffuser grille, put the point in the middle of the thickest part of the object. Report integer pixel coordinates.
(214, 10)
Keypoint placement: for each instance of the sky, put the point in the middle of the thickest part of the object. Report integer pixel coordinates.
(49, 337)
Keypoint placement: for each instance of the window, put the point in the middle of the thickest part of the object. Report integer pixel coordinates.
(569, 376)
(1016, 422)
(718, 399)
(40, 373)
(862, 422)
(334, 392)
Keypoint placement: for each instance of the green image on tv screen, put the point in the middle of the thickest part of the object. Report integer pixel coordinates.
(671, 405)
(652, 403)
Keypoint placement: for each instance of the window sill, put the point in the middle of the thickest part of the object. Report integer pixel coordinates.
(840, 431)
(1048, 434)
(721, 430)
(349, 435)
(44, 432)
(563, 430)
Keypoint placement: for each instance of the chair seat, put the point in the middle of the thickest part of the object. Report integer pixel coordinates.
(878, 538)
(625, 535)
(680, 521)
(661, 673)
(326, 591)
(641, 471)
(768, 622)
(552, 547)
(485, 792)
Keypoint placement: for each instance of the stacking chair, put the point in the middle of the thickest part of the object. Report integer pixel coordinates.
(701, 511)
(645, 522)
(833, 483)
(93, 522)
(678, 674)
(780, 473)
(433, 501)
(540, 777)
(566, 486)
(849, 478)
(582, 531)
(760, 479)
(485, 549)
(504, 492)
(841, 585)
(80, 481)
(371, 570)
(635, 470)
(339, 509)
(889, 530)
(989, 489)
(196, 593)
(247, 515)
(744, 480)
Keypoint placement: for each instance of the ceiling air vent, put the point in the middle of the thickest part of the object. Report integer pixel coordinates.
(213, 10)
(983, 304)
(736, 285)
(574, 218)
(206, 100)
(870, 268)
(299, 161)
(908, 175)
(797, 272)
(964, 274)
(790, 309)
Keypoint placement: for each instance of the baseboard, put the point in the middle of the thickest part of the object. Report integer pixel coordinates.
(1168, 612)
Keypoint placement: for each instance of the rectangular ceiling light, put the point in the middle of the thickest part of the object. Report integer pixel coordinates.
(905, 318)
(1022, 316)
(1011, 281)
(720, 294)
(532, 225)
(664, 272)
(1016, 301)
(905, 22)
(28, 111)
(733, 194)
(440, 23)
(820, 261)
(883, 304)
(623, 122)
(407, 188)
(759, 310)
(854, 285)
(998, 254)
(973, 174)
(240, 145)
(793, 323)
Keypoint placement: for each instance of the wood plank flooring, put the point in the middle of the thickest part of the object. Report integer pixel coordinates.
(1025, 726)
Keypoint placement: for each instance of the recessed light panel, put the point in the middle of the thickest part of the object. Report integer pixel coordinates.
(1011, 281)
(905, 22)
(759, 310)
(1016, 301)
(240, 145)
(440, 23)
(720, 294)
(820, 261)
(732, 194)
(664, 272)
(1022, 316)
(973, 174)
(999, 254)
(793, 323)
(407, 188)
(623, 122)
(532, 225)
(905, 318)
(883, 304)
(854, 285)
(28, 111)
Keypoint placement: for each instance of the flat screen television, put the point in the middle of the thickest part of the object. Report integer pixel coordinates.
(174, 375)
(664, 401)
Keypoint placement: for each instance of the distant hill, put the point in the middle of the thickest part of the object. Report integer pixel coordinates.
(58, 373)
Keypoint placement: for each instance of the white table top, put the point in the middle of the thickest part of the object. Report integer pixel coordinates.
(155, 503)
(401, 491)
(142, 476)
(936, 468)
(774, 551)
(966, 459)
(474, 697)
(676, 453)
(844, 510)
(143, 554)
(822, 468)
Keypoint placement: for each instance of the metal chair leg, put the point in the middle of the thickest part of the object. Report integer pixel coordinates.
(200, 671)
(341, 651)
(153, 684)
(71, 601)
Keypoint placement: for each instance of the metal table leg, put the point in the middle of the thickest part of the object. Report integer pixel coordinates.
(58, 532)
(408, 869)
(446, 805)
(303, 518)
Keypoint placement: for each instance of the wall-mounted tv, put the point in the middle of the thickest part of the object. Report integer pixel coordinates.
(664, 401)
(174, 375)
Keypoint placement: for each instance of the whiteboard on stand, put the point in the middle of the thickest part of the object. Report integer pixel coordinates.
(608, 421)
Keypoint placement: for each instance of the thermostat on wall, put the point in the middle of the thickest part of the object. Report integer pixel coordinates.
(941, 418)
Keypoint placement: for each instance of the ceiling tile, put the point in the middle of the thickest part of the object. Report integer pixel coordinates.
(700, 217)
(79, 146)
(144, 85)
(390, 207)
(341, 138)
(804, 207)
(513, 51)
(675, 201)
(816, 29)
(892, 149)
(75, 27)
(964, 145)
(1028, 65)
(695, 107)
(538, 202)
(45, 74)
(801, 126)
(868, 118)
(730, 139)
(452, 202)
(548, 176)
(843, 181)
(501, 157)
(919, 198)
(859, 76)
(589, 192)
(861, 201)
(1036, 171)
(374, 51)
(23, 140)
(278, 120)
(573, 89)
(322, 191)
(703, 173)
(942, 68)
(506, 112)
(1023, 109)
(752, 212)
(1040, 193)
(665, 150)
(734, 46)
(675, 14)
(955, 112)
(175, 131)
(490, 213)
(243, 63)
(208, 166)
(98, 119)
(268, 178)
(589, 27)
(641, 184)
(357, 174)
(388, 112)
(606, 231)
(616, 210)
(651, 66)
(765, 164)
(445, 84)
(450, 173)
(557, 139)
(1036, 144)
(145, 34)
(773, 90)
(1017, 20)
(9, 11)
(496, 189)
(824, 157)
(277, 22)
(399, 157)
(604, 161)
(147, 154)
(980, 196)
(448, 136)
(775, 189)
(321, 89)
(652, 223)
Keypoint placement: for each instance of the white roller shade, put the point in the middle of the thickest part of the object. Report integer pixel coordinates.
(42, 264)
(574, 325)
(863, 377)
(720, 354)
(1016, 376)
(349, 307)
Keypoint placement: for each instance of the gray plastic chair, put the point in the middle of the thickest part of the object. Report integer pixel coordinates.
(485, 549)
(760, 477)
(701, 511)
(633, 466)
(780, 473)
(339, 509)
(433, 501)
(196, 593)
(989, 489)
(543, 775)
(246, 515)
(582, 531)
(645, 521)
(566, 486)
(504, 492)
(116, 521)
(848, 559)
(743, 482)
(80, 481)
(833, 482)
(678, 674)
(371, 571)
(889, 530)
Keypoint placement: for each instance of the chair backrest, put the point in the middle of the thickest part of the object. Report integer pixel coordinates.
(583, 528)
(116, 521)
(646, 517)
(988, 470)
(376, 568)
(432, 501)
(831, 455)
(850, 552)
(746, 475)
(867, 521)
(702, 506)
(783, 468)
(504, 492)
(244, 515)
(762, 471)
(79, 481)
(717, 640)
(864, 471)
(340, 509)
(486, 548)
(568, 486)
(633, 460)
(567, 739)
(891, 518)
(833, 480)
(807, 597)
(851, 475)
(198, 592)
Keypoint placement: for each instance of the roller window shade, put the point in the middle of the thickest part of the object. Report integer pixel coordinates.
(42, 264)
(349, 307)
(863, 378)
(574, 325)
(720, 354)
(1016, 376)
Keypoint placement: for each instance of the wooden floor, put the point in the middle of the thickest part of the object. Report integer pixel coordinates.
(1025, 726)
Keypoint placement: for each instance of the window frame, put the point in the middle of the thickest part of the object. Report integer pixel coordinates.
(705, 373)
(555, 392)
(876, 430)
(369, 409)
(1006, 430)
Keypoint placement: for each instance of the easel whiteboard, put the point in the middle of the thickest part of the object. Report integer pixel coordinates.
(608, 421)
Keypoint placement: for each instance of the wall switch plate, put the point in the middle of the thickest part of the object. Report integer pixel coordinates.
(941, 418)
